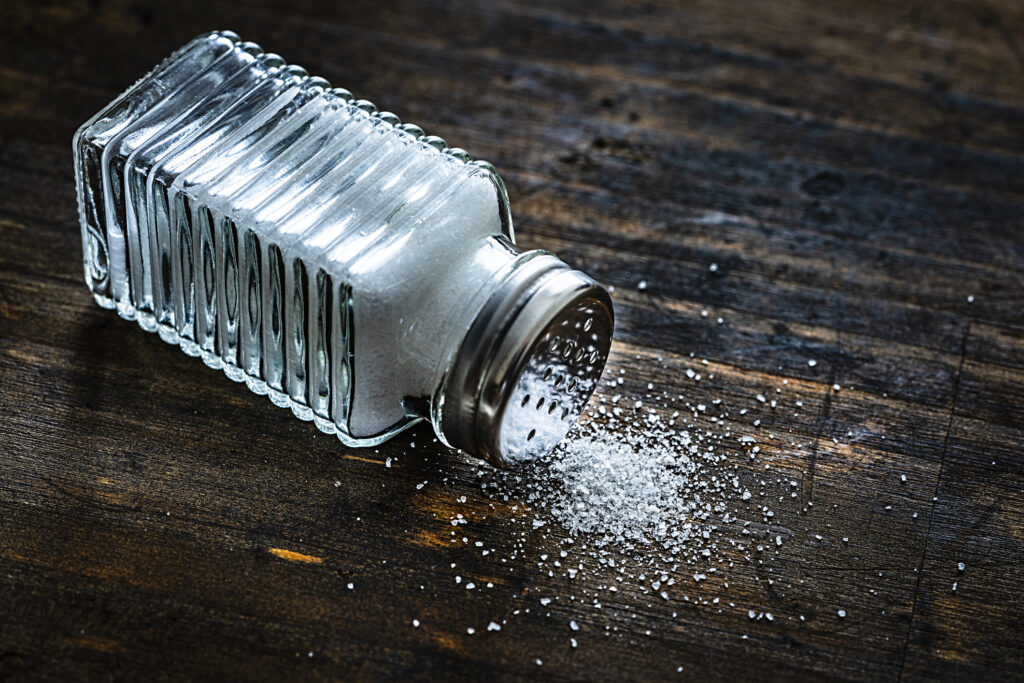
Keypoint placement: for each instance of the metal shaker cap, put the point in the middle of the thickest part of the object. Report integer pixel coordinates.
(529, 363)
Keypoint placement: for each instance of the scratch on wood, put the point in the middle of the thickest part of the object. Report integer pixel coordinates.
(94, 643)
(369, 460)
(440, 539)
(293, 556)
(447, 642)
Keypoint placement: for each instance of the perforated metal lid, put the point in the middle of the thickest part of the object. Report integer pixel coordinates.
(529, 364)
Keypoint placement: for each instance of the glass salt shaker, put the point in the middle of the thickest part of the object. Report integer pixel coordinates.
(346, 265)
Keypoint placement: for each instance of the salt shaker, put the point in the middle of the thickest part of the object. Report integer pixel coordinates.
(343, 263)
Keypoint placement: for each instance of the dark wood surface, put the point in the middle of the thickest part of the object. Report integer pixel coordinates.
(853, 167)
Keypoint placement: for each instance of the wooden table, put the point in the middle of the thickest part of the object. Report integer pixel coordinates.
(853, 168)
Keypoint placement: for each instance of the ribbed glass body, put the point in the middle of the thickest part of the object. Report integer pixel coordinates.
(304, 243)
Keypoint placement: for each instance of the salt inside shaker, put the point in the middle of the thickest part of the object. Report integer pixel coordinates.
(341, 262)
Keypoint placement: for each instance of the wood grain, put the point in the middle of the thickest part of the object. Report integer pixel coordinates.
(855, 169)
